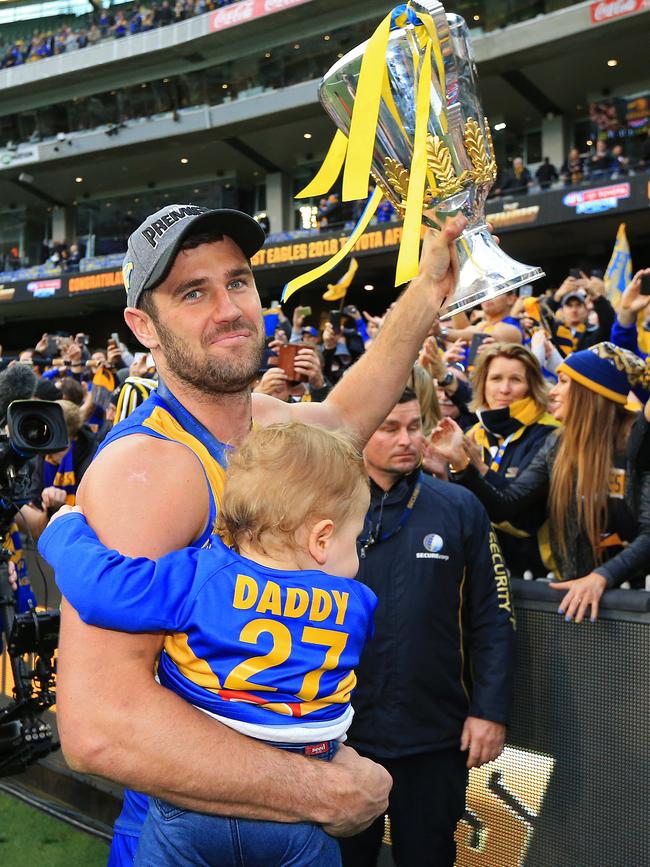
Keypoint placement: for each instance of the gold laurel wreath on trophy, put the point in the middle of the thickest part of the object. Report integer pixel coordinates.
(439, 163)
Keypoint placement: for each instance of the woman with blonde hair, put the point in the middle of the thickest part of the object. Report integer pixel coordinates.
(593, 477)
(424, 387)
(510, 401)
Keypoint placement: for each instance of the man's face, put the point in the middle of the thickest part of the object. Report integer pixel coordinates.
(447, 407)
(209, 319)
(396, 446)
(96, 359)
(310, 339)
(575, 312)
(499, 306)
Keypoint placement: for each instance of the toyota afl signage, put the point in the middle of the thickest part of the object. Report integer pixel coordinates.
(247, 10)
(596, 200)
(607, 10)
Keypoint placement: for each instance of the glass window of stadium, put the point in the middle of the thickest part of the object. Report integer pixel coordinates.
(243, 77)
(109, 222)
(11, 240)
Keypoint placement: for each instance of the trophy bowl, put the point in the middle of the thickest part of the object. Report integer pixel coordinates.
(460, 162)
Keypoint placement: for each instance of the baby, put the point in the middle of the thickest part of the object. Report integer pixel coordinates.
(263, 635)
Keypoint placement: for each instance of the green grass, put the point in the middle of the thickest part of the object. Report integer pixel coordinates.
(29, 837)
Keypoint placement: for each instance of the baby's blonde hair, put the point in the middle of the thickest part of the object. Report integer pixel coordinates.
(286, 475)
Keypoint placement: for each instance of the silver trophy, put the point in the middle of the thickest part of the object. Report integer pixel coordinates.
(461, 167)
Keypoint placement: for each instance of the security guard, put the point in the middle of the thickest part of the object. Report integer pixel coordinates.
(434, 684)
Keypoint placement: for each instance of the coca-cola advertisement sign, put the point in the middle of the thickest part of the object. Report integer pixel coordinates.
(247, 10)
(607, 10)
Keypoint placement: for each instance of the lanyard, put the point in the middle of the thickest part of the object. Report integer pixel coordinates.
(375, 535)
(193, 426)
(495, 463)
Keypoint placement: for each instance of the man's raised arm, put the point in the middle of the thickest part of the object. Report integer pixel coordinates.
(372, 386)
(117, 722)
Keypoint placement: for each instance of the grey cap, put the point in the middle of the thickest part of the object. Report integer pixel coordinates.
(153, 247)
(576, 294)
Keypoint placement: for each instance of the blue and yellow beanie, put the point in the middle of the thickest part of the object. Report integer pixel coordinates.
(607, 370)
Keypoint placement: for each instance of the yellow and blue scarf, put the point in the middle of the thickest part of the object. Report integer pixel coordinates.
(498, 428)
(61, 474)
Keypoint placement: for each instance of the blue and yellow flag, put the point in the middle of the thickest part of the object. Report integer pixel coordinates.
(619, 270)
(337, 291)
(271, 319)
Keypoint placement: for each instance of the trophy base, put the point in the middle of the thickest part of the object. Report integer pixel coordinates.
(485, 271)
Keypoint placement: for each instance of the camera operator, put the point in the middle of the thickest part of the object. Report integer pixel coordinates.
(17, 382)
(30, 428)
(56, 476)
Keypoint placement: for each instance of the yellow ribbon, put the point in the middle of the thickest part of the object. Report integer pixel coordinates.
(298, 282)
(408, 259)
(354, 154)
(363, 126)
(330, 170)
(434, 42)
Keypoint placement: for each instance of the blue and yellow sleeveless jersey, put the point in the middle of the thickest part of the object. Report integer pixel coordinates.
(163, 417)
(271, 652)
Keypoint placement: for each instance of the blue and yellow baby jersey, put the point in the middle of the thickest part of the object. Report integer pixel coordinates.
(269, 652)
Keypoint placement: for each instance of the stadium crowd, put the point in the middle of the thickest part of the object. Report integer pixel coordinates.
(492, 391)
(519, 444)
(105, 23)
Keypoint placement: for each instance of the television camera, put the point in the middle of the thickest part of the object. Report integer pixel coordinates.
(34, 427)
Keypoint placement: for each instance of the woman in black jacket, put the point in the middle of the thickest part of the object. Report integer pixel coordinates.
(594, 476)
(510, 401)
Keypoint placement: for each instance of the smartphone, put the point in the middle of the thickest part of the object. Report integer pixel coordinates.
(525, 291)
(477, 339)
(335, 319)
(598, 272)
(116, 338)
(304, 311)
(645, 284)
(285, 361)
(576, 273)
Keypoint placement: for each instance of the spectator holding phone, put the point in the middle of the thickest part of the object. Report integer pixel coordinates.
(298, 326)
(298, 376)
(337, 357)
(572, 332)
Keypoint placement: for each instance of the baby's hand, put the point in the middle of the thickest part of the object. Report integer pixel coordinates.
(13, 576)
(65, 510)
